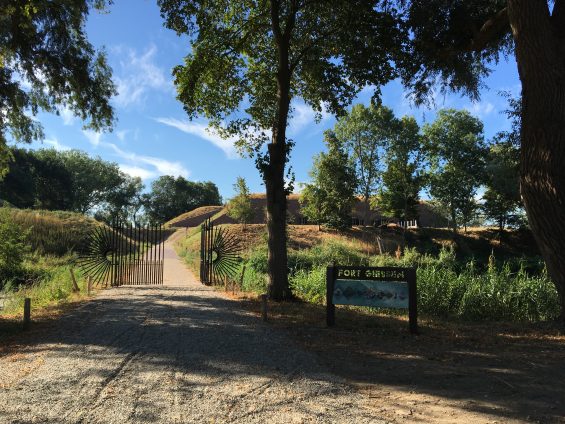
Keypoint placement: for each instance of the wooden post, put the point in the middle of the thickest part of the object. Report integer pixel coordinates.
(330, 307)
(264, 306)
(27, 313)
(88, 285)
(75, 285)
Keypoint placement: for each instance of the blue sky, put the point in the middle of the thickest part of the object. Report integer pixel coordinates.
(153, 136)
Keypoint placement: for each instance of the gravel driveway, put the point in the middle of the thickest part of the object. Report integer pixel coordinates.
(178, 353)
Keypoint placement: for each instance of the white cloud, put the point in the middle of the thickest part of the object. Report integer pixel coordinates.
(202, 131)
(93, 137)
(162, 166)
(122, 134)
(481, 109)
(67, 115)
(137, 75)
(54, 143)
(303, 116)
(136, 171)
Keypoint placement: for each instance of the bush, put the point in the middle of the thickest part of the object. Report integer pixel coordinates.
(12, 248)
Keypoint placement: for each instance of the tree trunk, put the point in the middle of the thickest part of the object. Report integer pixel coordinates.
(276, 224)
(540, 53)
(279, 288)
(367, 211)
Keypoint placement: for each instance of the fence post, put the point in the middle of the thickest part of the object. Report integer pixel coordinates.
(75, 285)
(88, 285)
(27, 313)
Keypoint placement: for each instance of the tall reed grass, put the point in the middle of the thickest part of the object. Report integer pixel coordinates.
(447, 289)
(53, 232)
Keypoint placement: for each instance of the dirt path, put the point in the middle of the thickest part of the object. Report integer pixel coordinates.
(178, 353)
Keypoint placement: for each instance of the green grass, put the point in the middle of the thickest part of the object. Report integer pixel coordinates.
(53, 232)
(48, 282)
(449, 287)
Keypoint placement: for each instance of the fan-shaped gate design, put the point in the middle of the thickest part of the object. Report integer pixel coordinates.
(124, 254)
(219, 254)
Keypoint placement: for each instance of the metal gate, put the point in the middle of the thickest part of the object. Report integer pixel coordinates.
(219, 254)
(125, 254)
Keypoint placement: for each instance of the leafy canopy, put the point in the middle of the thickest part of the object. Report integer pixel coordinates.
(456, 151)
(330, 198)
(404, 175)
(239, 207)
(46, 62)
(230, 77)
(170, 197)
(366, 133)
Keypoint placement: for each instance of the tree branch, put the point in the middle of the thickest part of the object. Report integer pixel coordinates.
(275, 20)
(490, 29)
(291, 19)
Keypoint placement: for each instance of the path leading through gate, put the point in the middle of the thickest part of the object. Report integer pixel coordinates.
(177, 353)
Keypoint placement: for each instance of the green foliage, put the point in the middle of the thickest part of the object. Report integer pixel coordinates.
(404, 175)
(46, 63)
(456, 151)
(329, 199)
(72, 181)
(12, 247)
(170, 197)
(260, 52)
(239, 208)
(451, 44)
(447, 289)
(49, 283)
(502, 201)
(366, 132)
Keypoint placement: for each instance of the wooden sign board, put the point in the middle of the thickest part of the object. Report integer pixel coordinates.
(378, 287)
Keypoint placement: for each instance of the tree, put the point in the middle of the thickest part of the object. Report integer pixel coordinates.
(455, 42)
(71, 181)
(46, 62)
(404, 175)
(122, 202)
(330, 198)
(52, 180)
(19, 186)
(264, 54)
(170, 197)
(239, 207)
(366, 131)
(502, 195)
(92, 179)
(455, 150)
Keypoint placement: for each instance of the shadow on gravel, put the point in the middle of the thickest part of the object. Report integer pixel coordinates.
(513, 371)
(501, 374)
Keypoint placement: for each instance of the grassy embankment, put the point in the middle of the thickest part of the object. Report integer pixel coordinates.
(473, 276)
(39, 248)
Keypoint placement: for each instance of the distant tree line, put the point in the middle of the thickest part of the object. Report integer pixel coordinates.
(74, 181)
(389, 161)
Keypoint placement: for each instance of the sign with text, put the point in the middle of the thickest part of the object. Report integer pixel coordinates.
(374, 287)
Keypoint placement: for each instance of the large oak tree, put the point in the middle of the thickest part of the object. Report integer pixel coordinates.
(255, 56)
(455, 41)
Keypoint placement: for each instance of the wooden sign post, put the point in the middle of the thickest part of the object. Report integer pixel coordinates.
(378, 287)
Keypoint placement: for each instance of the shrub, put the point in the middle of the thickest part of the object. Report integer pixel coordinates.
(12, 247)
